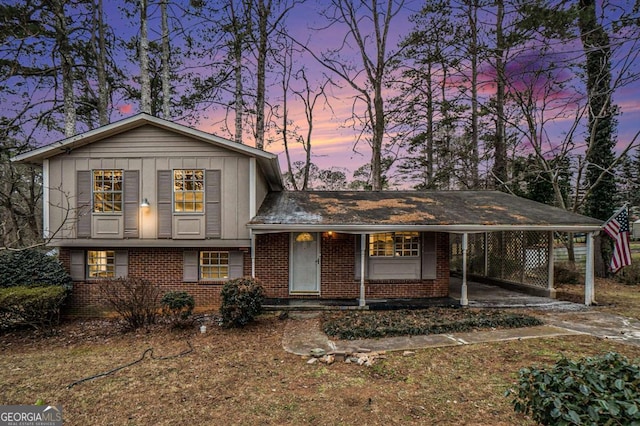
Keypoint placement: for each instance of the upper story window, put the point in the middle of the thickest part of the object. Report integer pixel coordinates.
(394, 244)
(188, 191)
(107, 191)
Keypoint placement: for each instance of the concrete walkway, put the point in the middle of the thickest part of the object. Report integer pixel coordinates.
(303, 333)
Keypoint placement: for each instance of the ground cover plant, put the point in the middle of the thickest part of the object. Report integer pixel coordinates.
(594, 390)
(365, 325)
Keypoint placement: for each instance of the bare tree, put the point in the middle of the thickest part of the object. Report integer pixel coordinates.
(143, 52)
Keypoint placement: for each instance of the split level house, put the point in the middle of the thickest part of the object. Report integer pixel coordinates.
(187, 210)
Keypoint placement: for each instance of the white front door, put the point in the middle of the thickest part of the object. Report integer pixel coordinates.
(304, 270)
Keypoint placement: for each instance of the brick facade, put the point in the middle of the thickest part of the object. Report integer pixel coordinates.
(161, 266)
(164, 267)
(337, 272)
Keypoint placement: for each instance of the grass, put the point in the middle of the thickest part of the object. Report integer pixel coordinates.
(244, 377)
(364, 325)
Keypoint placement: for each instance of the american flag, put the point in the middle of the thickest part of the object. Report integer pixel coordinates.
(618, 228)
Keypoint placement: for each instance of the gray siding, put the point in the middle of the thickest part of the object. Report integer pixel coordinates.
(148, 150)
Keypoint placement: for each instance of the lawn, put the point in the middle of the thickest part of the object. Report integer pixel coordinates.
(244, 377)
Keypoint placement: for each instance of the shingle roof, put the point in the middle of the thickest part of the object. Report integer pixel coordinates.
(462, 211)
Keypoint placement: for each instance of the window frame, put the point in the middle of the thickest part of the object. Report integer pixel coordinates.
(111, 194)
(109, 270)
(220, 254)
(401, 247)
(197, 195)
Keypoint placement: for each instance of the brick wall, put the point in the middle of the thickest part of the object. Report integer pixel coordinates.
(338, 270)
(161, 266)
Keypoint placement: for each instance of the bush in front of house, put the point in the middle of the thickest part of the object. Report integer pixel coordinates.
(136, 300)
(37, 307)
(178, 306)
(596, 390)
(241, 301)
(32, 267)
(629, 275)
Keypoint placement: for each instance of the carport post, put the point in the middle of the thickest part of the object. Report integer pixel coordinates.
(589, 274)
(464, 301)
(550, 262)
(363, 241)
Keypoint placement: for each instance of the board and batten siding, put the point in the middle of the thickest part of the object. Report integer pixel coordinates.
(147, 150)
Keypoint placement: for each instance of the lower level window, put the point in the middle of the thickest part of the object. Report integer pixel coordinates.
(214, 265)
(101, 263)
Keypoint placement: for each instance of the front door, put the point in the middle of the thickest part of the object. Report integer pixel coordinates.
(305, 263)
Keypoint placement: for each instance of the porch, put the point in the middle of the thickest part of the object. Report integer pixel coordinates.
(479, 296)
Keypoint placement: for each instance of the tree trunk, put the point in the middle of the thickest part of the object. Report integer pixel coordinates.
(145, 81)
(263, 19)
(100, 52)
(66, 67)
(473, 50)
(166, 65)
(500, 154)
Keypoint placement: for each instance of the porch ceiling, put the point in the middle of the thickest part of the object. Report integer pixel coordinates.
(445, 211)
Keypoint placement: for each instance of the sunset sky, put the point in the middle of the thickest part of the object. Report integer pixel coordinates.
(333, 144)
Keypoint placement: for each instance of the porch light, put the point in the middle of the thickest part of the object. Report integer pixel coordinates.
(304, 237)
(144, 203)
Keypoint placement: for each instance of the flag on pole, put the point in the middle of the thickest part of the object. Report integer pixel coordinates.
(617, 227)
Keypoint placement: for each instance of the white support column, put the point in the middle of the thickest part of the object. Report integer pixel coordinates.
(363, 250)
(464, 300)
(589, 272)
(486, 254)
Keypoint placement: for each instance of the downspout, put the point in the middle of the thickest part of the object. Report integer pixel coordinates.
(252, 212)
(464, 300)
(589, 273)
(363, 241)
(46, 233)
(253, 253)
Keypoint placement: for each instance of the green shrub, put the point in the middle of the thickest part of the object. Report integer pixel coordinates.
(31, 267)
(241, 301)
(178, 305)
(629, 275)
(136, 300)
(37, 307)
(598, 390)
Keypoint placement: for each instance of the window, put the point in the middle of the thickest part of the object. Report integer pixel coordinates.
(394, 244)
(101, 263)
(214, 265)
(188, 191)
(107, 191)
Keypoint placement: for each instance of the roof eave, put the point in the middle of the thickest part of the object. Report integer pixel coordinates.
(377, 228)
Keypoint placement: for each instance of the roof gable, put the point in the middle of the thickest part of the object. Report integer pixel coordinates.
(267, 161)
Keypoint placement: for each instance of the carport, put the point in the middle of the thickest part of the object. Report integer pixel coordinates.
(493, 236)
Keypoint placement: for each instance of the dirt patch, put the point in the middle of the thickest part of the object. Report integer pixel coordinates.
(245, 377)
